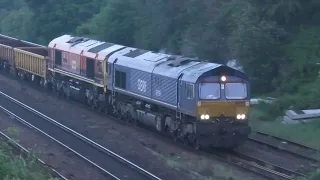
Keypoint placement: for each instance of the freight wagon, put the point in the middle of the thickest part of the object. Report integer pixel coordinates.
(8, 52)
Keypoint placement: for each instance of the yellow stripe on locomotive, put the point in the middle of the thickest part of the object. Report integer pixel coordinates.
(237, 110)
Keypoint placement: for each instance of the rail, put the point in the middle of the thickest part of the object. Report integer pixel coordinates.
(25, 151)
(79, 136)
(263, 168)
(288, 146)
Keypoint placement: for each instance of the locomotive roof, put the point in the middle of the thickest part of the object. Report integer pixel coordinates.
(191, 69)
(88, 47)
(140, 59)
(164, 64)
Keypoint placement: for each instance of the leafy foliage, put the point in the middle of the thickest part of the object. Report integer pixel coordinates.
(17, 167)
(315, 176)
(276, 42)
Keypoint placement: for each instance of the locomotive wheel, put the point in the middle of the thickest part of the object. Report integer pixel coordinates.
(186, 140)
(174, 135)
(108, 110)
(194, 142)
(196, 145)
(60, 92)
(135, 121)
(128, 118)
(68, 96)
(100, 108)
(92, 106)
(123, 116)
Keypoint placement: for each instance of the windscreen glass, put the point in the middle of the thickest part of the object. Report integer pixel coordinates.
(236, 90)
(209, 91)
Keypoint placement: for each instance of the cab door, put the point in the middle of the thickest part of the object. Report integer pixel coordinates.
(179, 90)
(105, 74)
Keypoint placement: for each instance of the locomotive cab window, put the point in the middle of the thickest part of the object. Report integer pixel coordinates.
(236, 90)
(190, 91)
(120, 79)
(99, 67)
(90, 68)
(64, 58)
(58, 57)
(209, 91)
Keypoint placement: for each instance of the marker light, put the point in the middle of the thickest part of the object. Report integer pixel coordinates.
(223, 78)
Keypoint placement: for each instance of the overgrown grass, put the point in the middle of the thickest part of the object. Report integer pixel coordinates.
(13, 166)
(202, 169)
(315, 176)
(264, 121)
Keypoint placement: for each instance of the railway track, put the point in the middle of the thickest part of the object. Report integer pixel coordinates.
(112, 164)
(264, 168)
(20, 148)
(245, 161)
(287, 146)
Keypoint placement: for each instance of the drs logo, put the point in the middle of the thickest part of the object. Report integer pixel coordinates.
(142, 85)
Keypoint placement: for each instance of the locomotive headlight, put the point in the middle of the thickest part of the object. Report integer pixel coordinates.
(204, 116)
(241, 116)
(223, 78)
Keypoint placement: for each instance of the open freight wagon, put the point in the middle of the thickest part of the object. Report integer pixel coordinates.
(23, 56)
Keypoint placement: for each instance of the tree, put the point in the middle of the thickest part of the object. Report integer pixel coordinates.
(114, 23)
(256, 43)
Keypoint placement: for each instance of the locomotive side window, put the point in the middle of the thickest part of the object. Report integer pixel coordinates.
(99, 66)
(64, 58)
(190, 91)
(120, 79)
(58, 57)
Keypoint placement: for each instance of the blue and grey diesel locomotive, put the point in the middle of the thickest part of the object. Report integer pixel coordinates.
(200, 103)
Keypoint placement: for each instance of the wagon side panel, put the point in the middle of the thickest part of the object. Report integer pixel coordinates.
(30, 62)
(6, 54)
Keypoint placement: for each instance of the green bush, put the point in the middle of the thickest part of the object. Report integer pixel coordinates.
(265, 112)
(17, 167)
(306, 97)
(315, 176)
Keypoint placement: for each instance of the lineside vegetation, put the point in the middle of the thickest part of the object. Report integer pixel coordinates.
(13, 166)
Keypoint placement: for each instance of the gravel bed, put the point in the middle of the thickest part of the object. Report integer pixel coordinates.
(139, 146)
(60, 158)
(279, 158)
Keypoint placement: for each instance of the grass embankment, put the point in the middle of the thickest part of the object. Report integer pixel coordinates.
(14, 166)
(263, 120)
(308, 133)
